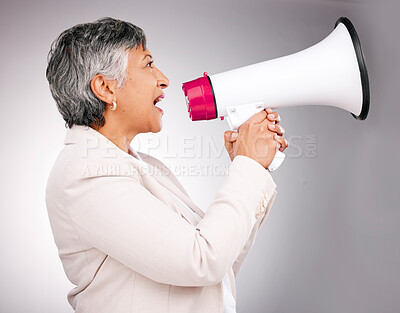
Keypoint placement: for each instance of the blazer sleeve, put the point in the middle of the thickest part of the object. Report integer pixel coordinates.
(119, 216)
(237, 265)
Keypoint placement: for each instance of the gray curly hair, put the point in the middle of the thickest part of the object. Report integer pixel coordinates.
(81, 52)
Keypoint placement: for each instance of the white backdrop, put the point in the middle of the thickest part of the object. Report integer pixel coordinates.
(331, 242)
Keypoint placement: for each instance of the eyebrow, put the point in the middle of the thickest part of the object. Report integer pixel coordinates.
(147, 55)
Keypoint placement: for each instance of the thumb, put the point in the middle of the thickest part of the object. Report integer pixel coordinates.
(230, 136)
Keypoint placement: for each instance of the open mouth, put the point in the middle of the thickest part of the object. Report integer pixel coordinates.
(158, 99)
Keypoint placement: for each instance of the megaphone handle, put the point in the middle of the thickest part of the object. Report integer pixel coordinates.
(237, 115)
(277, 161)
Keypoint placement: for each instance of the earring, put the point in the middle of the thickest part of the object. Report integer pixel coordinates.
(114, 106)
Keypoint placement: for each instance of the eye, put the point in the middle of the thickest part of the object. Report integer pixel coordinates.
(150, 64)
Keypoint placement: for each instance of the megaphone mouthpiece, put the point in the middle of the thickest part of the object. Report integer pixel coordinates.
(200, 100)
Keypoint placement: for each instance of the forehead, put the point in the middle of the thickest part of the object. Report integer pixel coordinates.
(138, 55)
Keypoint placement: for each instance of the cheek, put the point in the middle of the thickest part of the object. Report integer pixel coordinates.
(132, 98)
(138, 95)
(143, 90)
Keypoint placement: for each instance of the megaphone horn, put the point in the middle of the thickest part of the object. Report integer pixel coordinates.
(333, 72)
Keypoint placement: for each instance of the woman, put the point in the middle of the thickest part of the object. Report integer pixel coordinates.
(129, 236)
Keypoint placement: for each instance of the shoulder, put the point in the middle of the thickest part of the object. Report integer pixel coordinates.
(76, 169)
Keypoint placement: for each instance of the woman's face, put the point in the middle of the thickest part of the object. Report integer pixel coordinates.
(135, 100)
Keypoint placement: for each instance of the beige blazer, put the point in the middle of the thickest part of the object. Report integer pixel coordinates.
(128, 245)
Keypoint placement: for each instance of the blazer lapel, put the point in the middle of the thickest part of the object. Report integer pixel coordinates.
(162, 188)
(170, 182)
(185, 199)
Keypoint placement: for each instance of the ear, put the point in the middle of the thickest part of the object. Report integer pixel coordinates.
(103, 88)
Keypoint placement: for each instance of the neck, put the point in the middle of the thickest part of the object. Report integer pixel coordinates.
(116, 134)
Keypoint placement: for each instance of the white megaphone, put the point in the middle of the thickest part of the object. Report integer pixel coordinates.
(332, 72)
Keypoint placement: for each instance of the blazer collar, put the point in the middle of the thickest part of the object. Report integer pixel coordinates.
(91, 140)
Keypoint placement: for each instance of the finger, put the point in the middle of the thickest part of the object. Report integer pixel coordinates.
(272, 127)
(274, 117)
(268, 110)
(258, 117)
(228, 143)
(230, 136)
(276, 129)
(282, 141)
(228, 146)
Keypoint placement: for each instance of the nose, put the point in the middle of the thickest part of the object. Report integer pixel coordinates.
(162, 80)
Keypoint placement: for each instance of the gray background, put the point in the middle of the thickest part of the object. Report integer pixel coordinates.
(331, 242)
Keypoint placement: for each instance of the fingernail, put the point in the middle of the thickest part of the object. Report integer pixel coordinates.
(234, 136)
(271, 116)
(276, 136)
(272, 126)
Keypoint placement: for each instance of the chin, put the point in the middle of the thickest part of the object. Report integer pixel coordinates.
(157, 128)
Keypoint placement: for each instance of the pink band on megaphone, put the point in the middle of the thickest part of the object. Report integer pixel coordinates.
(200, 99)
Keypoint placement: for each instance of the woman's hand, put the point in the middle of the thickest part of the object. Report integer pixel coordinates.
(258, 138)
